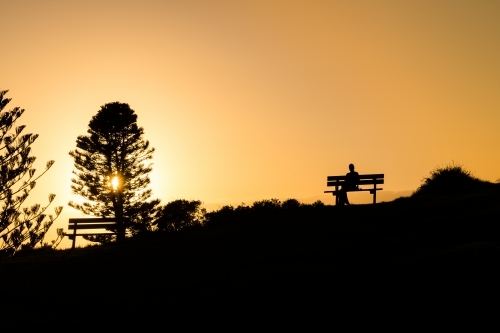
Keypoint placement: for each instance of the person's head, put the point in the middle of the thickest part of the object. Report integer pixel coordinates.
(351, 167)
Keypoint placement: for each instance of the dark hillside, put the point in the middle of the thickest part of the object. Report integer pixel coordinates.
(300, 261)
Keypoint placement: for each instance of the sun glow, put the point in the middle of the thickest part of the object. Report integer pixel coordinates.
(115, 183)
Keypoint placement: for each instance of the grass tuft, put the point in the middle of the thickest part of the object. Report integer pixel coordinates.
(451, 179)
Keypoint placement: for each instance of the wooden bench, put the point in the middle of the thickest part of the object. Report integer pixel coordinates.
(108, 223)
(374, 180)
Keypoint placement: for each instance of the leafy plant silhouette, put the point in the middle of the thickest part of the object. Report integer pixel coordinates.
(20, 227)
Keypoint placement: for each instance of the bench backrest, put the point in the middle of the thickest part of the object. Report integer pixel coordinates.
(370, 179)
(92, 223)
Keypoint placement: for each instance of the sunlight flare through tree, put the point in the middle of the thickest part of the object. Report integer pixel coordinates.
(111, 170)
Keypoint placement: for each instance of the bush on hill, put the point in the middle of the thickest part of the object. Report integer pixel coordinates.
(449, 180)
(180, 214)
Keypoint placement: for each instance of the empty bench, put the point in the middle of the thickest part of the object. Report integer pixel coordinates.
(374, 180)
(107, 223)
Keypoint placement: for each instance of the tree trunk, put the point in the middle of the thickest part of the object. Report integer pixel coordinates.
(120, 237)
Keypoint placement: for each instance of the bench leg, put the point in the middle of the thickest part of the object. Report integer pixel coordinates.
(336, 195)
(74, 239)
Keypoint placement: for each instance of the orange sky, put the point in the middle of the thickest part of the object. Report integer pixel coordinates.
(251, 100)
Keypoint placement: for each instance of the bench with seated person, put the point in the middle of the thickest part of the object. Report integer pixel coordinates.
(351, 182)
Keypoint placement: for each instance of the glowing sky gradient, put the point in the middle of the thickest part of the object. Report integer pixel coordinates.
(251, 100)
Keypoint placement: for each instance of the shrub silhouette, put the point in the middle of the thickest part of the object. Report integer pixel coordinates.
(266, 207)
(180, 214)
(228, 214)
(451, 179)
(290, 205)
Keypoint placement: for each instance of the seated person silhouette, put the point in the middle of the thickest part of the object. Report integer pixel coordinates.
(350, 184)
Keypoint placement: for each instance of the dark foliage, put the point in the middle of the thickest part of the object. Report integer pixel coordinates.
(114, 148)
(20, 227)
(451, 179)
(180, 214)
(262, 210)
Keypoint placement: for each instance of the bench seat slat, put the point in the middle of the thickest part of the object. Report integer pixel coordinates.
(95, 233)
(71, 236)
(92, 226)
(360, 190)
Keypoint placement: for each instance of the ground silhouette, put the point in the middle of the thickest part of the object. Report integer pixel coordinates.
(318, 259)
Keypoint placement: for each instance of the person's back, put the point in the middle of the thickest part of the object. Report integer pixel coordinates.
(351, 183)
(351, 179)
